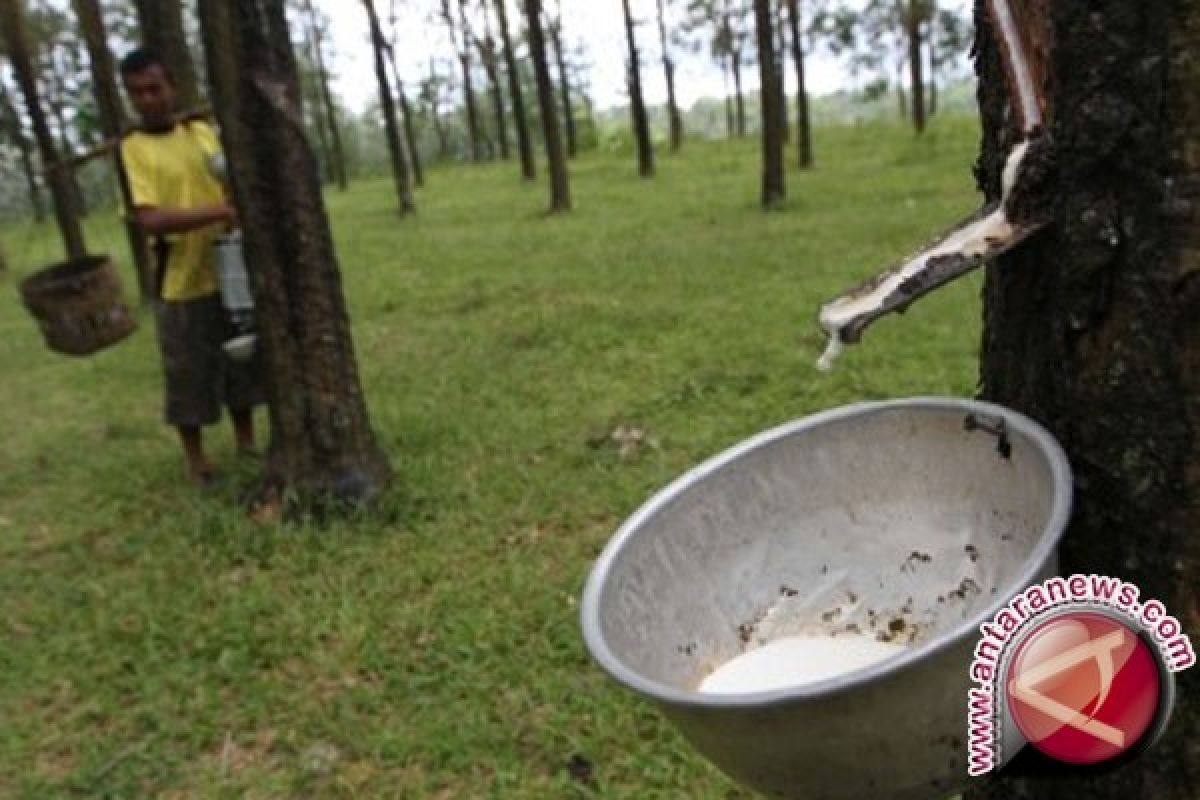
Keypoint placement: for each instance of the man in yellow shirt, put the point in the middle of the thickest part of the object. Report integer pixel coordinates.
(182, 206)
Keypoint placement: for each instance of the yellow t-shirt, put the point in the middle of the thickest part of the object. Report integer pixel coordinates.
(170, 170)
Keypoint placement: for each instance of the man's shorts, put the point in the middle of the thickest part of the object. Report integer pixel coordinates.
(200, 377)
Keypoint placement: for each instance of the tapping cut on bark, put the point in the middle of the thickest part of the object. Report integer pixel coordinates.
(995, 229)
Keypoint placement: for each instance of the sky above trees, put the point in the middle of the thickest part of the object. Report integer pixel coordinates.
(592, 29)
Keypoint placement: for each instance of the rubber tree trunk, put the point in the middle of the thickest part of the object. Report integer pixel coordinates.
(12, 123)
(491, 65)
(931, 46)
(1093, 328)
(916, 55)
(560, 190)
(803, 126)
(410, 133)
(785, 122)
(161, 23)
(460, 29)
(774, 190)
(637, 106)
(730, 125)
(735, 61)
(327, 104)
(524, 140)
(112, 122)
(322, 445)
(438, 128)
(315, 114)
(12, 25)
(54, 97)
(674, 119)
(400, 173)
(488, 56)
(564, 83)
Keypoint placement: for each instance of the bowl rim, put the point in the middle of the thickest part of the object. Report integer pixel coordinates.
(1041, 555)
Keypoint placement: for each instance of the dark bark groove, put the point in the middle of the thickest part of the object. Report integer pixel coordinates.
(1089, 331)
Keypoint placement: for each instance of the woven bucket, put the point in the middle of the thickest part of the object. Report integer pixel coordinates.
(78, 305)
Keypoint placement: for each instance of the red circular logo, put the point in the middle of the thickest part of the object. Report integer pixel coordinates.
(1083, 687)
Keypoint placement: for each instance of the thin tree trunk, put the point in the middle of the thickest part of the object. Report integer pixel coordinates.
(438, 128)
(803, 128)
(315, 112)
(464, 61)
(774, 190)
(932, 46)
(916, 54)
(161, 23)
(564, 82)
(487, 53)
(736, 62)
(637, 107)
(674, 119)
(410, 134)
(66, 151)
(387, 105)
(12, 24)
(524, 141)
(560, 190)
(112, 122)
(785, 123)
(322, 445)
(730, 125)
(24, 150)
(1093, 328)
(331, 120)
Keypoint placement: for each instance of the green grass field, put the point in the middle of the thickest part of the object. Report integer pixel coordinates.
(158, 643)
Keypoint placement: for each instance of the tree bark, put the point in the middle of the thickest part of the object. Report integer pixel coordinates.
(410, 134)
(735, 60)
(560, 190)
(931, 45)
(916, 54)
(161, 23)
(774, 191)
(322, 445)
(1093, 328)
(730, 126)
(487, 54)
(637, 107)
(803, 128)
(780, 54)
(112, 122)
(464, 61)
(564, 81)
(387, 106)
(24, 150)
(524, 141)
(315, 112)
(438, 128)
(12, 23)
(674, 119)
(328, 107)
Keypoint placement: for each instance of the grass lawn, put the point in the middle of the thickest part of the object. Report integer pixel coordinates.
(157, 643)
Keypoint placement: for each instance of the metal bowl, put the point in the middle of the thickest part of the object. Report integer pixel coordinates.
(912, 520)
